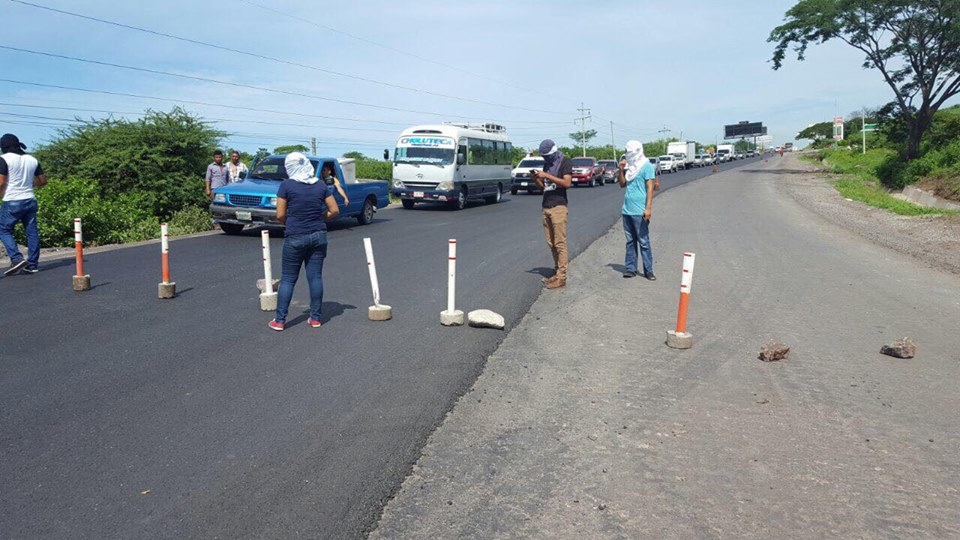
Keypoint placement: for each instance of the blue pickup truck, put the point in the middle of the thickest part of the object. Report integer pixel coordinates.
(253, 200)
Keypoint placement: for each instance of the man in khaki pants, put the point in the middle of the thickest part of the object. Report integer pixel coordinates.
(556, 177)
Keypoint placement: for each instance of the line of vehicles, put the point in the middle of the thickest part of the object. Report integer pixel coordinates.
(449, 164)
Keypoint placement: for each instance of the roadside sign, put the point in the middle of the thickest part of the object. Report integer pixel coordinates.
(838, 128)
(871, 127)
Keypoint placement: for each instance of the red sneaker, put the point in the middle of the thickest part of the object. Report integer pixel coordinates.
(314, 323)
(278, 326)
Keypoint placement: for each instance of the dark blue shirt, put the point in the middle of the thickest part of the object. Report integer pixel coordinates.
(305, 206)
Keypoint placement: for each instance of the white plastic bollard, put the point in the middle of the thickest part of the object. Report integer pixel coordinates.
(451, 317)
(268, 297)
(378, 311)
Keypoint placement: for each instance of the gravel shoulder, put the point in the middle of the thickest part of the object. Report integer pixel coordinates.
(934, 240)
(584, 424)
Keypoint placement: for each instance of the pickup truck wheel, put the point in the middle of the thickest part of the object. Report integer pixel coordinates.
(366, 215)
(408, 203)
(231, 228)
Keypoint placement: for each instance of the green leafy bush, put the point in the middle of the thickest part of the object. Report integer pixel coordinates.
(126, 218)
(375, 170)
(189, 220)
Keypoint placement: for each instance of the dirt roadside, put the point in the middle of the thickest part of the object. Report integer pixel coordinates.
(934, 240)
(584, 424)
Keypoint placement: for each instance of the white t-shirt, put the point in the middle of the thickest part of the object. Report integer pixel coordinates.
(20, 171)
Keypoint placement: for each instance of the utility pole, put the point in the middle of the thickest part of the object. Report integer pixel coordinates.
(863, 128)
(613, 143)
(584, 116)
(313, 146)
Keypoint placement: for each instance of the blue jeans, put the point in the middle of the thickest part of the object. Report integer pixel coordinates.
(299, 250)
(637, 230)
(11, 213)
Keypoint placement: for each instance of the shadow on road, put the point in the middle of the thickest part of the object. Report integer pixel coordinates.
(619, 268)
(328, 312)
(542, 271)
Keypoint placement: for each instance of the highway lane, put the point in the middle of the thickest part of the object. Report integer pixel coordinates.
(125, 416)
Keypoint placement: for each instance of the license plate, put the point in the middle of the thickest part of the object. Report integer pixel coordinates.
(418, 194)
(523, 184)
(244, 216)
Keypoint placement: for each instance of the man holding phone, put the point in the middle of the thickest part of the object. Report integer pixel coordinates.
(554, 179)
(637, 175)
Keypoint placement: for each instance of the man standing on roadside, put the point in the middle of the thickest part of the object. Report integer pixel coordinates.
(217, 173)
(236, 168)
(19, 174)
(554, 179)
(637, 175)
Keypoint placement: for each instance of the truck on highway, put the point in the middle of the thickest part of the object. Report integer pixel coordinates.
(726, 152)
(452, 164)
(685, 153)
(253, 200)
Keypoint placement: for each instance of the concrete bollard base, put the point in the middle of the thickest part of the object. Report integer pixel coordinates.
(451, 318)
(268, 301)
(166, 290)
(379, 313)
(682, 340)
(81, 283)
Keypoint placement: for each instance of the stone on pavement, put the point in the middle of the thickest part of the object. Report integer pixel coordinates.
(268, 301)
(166, 290)
(901, 348)
(81, 283)
(380, 313)
(680, 340)
(262, 288)
(774, 351)
(484, 318)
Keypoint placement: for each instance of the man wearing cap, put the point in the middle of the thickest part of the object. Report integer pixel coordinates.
(19, 174)
(554, 179)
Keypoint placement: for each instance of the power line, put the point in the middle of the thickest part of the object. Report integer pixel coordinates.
(279, 60)
(302, 19)
(217, 81)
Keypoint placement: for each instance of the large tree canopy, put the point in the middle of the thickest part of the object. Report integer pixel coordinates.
(816, 132)
(914, 44)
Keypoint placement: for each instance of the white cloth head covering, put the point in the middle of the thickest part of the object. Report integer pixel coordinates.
(635, 159)
(299, 168)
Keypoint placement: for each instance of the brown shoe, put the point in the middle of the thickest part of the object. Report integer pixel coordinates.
(558, 283)
(549, 279)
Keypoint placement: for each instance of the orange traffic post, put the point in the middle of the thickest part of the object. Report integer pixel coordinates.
(81, 281)
(679, 338)
(167, 288)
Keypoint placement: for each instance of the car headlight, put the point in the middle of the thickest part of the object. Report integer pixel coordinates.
(446, 185)
(273, 201)
(219, 198)
(397, 183)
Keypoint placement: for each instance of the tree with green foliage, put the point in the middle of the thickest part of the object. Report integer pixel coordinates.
(290, 148)
(359, 156)
(914, 44)
(816, 132)
(160, 157)
(583, 138)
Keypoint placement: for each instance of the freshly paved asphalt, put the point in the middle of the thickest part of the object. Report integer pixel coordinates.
(123, 416)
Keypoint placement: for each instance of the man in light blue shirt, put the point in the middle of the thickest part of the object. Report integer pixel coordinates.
(637, 176)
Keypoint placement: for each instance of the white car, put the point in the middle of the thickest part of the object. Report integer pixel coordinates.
(520, 176)
(667, 163)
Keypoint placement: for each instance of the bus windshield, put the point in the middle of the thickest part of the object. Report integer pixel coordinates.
(419, 154)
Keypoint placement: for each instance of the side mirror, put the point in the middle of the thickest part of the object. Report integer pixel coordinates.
(386, 155)
(243, 175)
(461, 159)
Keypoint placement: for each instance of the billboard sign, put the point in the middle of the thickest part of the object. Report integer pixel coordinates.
(744, 130)
(838, 128)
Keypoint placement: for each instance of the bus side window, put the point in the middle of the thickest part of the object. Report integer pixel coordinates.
(462, 151)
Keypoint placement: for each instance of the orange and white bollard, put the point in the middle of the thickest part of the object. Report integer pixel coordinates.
(167, 288)
(268, 296)
(378, 311)
(452, 316)
(679, 338)
(81, 281)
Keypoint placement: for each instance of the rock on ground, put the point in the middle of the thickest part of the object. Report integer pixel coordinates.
(261, 286)
(484, 318)
(774, 351)
(901, 348)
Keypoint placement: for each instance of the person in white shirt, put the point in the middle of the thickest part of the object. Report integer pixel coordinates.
(236, 168)
(19, 174)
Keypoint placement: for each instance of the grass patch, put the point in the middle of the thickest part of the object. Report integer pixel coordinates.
(870, 193)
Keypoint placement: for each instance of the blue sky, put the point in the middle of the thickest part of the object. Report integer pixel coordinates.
(688, 66)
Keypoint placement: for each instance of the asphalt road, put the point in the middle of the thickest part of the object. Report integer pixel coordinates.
(123, 416)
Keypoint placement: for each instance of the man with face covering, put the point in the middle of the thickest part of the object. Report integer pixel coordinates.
(637, 175)
(554, 179)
